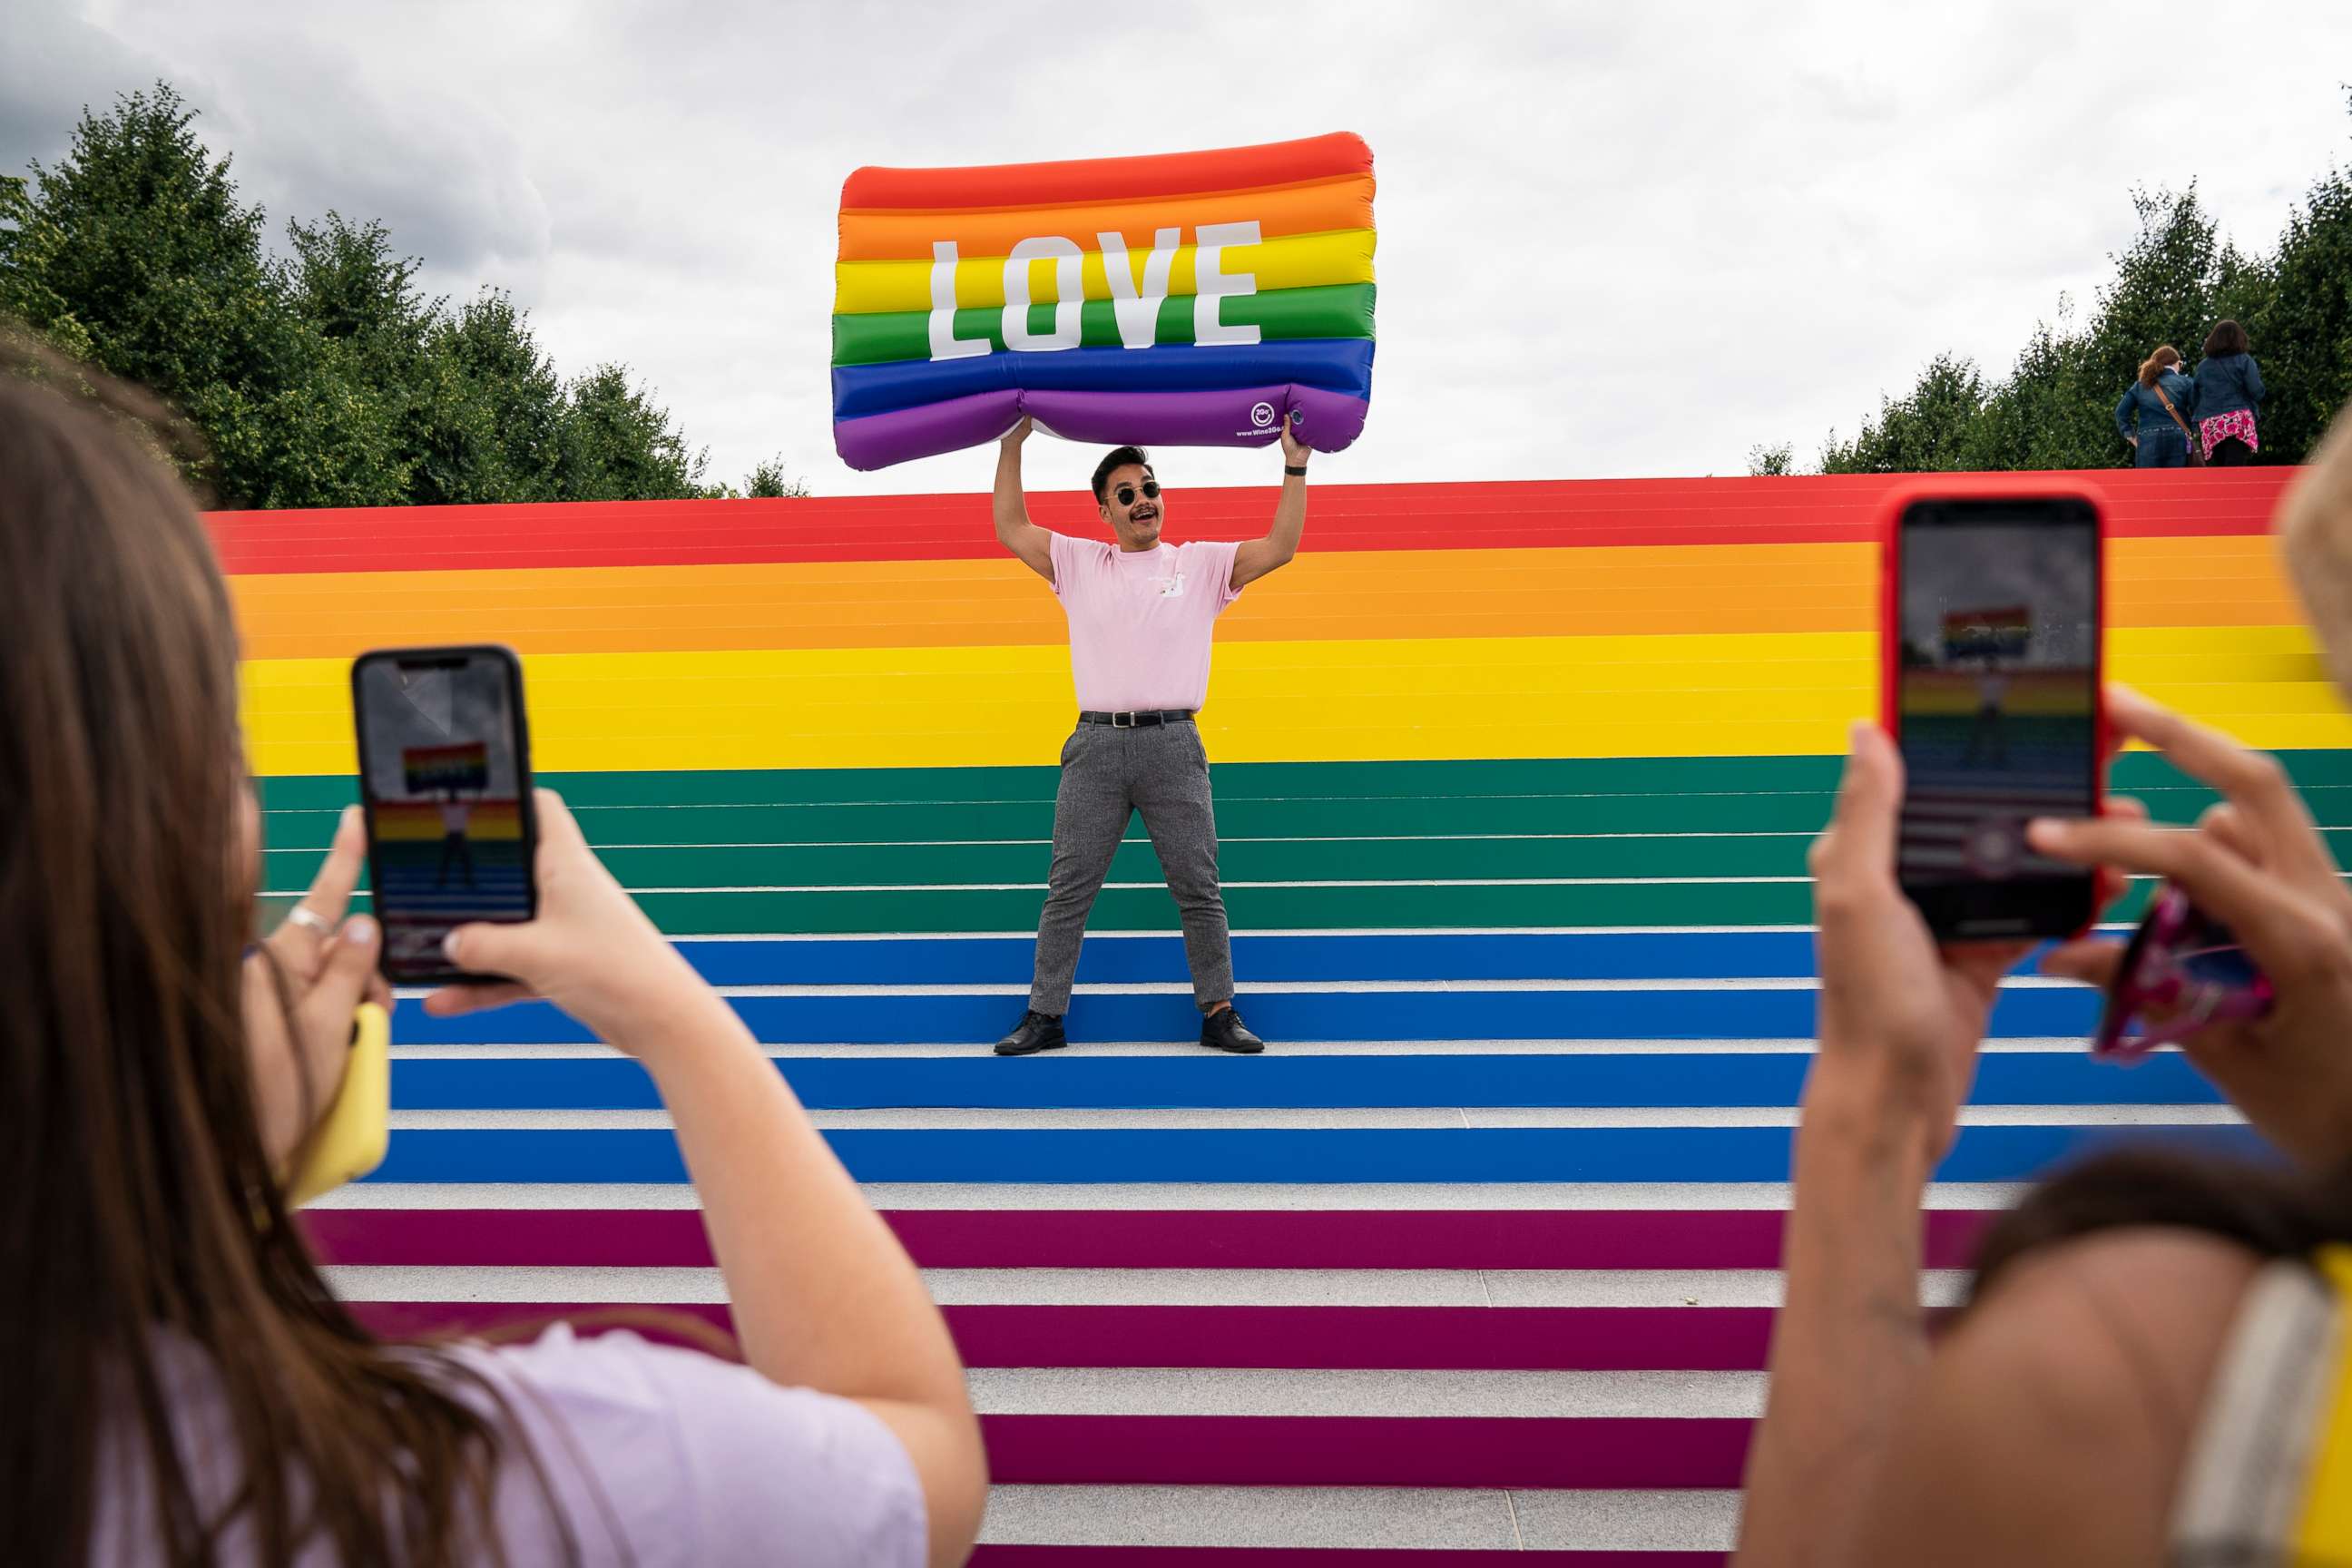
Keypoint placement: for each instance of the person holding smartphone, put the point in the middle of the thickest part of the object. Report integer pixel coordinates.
(1143, 613)
(181, 1384)
(2149, 1368)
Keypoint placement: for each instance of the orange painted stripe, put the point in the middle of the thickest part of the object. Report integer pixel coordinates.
(1634, 590)
(1318, 206)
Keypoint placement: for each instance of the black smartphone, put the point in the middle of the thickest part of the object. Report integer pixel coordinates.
(445, 778)
(1991, 684)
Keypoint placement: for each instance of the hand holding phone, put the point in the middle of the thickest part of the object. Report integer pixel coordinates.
(592, 951)
(2257, 867)
(445, 777)
(1991, 627)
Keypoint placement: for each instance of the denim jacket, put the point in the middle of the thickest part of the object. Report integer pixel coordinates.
(2141, 412)
(2226, 385)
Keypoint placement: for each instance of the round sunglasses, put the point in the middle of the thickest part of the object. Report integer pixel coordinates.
(1125, 494)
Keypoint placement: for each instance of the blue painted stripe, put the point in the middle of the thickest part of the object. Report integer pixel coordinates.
(1334, 364)
(1506, 1154)
(616, 1083)
(1726, 1014)
(1260, 960)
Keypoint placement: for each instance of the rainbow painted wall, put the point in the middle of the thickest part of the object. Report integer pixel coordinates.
(1514, 782)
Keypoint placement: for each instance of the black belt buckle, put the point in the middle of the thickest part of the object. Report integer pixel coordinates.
(1117, 725)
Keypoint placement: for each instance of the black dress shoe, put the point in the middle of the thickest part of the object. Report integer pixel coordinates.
(1224, 1031)
(1037, 1032)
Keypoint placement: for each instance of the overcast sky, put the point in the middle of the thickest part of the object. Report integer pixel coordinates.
(1613, 240)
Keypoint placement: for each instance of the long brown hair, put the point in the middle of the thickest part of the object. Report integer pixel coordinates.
(138, 1215)
(2165, 358)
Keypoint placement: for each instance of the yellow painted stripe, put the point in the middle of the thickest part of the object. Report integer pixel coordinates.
(1294, 261)
(2325, 1535)
(1764, 695)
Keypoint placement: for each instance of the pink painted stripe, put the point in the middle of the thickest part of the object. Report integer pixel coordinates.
(1438, 1339)
(1326, 1557)
(1366, 1450)
(1108, 1238)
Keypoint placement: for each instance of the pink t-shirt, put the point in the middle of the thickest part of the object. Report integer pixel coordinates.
(1140, 623)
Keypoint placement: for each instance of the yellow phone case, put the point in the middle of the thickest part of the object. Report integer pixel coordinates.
(349, 1140)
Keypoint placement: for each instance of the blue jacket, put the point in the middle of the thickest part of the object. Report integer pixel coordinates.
(2226, 385)
(2141, 412)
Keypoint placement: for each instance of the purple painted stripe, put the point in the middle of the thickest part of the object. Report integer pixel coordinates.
(1432, 1338)
(1107, 1238)
(1327, 1557)
(1329, 421)
(1367, 1450)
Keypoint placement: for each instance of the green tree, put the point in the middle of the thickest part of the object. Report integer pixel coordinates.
(326, 377)
(2303, 330)
(1927, 427)
(2177, 277)
(614, 443)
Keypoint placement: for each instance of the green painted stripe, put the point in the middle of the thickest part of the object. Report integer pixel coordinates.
(1720, 795)
(913, 912)
(1331, 310)
(1291, 860)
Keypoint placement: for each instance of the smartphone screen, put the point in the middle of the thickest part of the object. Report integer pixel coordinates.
(1997, 709)
(445, 775)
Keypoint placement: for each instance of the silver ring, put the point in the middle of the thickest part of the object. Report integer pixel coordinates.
(308, 919)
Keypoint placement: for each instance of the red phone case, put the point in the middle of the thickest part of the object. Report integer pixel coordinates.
(1988, 487)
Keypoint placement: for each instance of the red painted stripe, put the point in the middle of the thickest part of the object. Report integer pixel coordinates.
(1106, 1239)
(1366, 1450)
(1327, 1557)
(1343, 517)
(1074, 181)
(1373, 1338)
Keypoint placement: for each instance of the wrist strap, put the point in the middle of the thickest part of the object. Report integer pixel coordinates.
(1298, 470)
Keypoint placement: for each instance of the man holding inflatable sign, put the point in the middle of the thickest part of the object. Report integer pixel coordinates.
(1141, 616)
(1201, 299)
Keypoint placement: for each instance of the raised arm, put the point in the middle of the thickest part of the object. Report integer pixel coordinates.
(1258, 557)
(1032, 543)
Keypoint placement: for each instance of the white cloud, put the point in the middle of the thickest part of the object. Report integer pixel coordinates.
(1613, 241)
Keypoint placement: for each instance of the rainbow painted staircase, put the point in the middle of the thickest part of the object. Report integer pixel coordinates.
(1514, 782)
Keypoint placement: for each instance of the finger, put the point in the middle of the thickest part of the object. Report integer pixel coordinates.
(456, 1001)
(2266, 915)
(331, 890)
(557, 828)
(1860, 842)
(509, 952)
(2251, 781)
(2092, 963)
(342, 984)
(2124, 807)
(2227, 826)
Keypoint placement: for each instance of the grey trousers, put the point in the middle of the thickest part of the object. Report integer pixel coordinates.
(1106, 776)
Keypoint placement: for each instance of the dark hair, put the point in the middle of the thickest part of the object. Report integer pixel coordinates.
(2226, 338)
(1113, 460)
(2273, 1210)
(140, 1214)
(2165, 358)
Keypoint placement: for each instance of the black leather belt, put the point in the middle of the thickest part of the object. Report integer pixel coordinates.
(1141, 721)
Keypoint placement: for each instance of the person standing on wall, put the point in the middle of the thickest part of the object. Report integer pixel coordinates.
(2153, 413)
(2229, 393)
(1141, 613)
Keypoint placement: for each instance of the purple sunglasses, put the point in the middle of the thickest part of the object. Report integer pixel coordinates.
(2184, 960)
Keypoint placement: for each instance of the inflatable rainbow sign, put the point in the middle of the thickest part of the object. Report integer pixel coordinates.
(1193, 299)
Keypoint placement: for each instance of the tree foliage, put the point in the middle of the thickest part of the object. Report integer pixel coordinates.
(323, 375)
(2175, 278)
